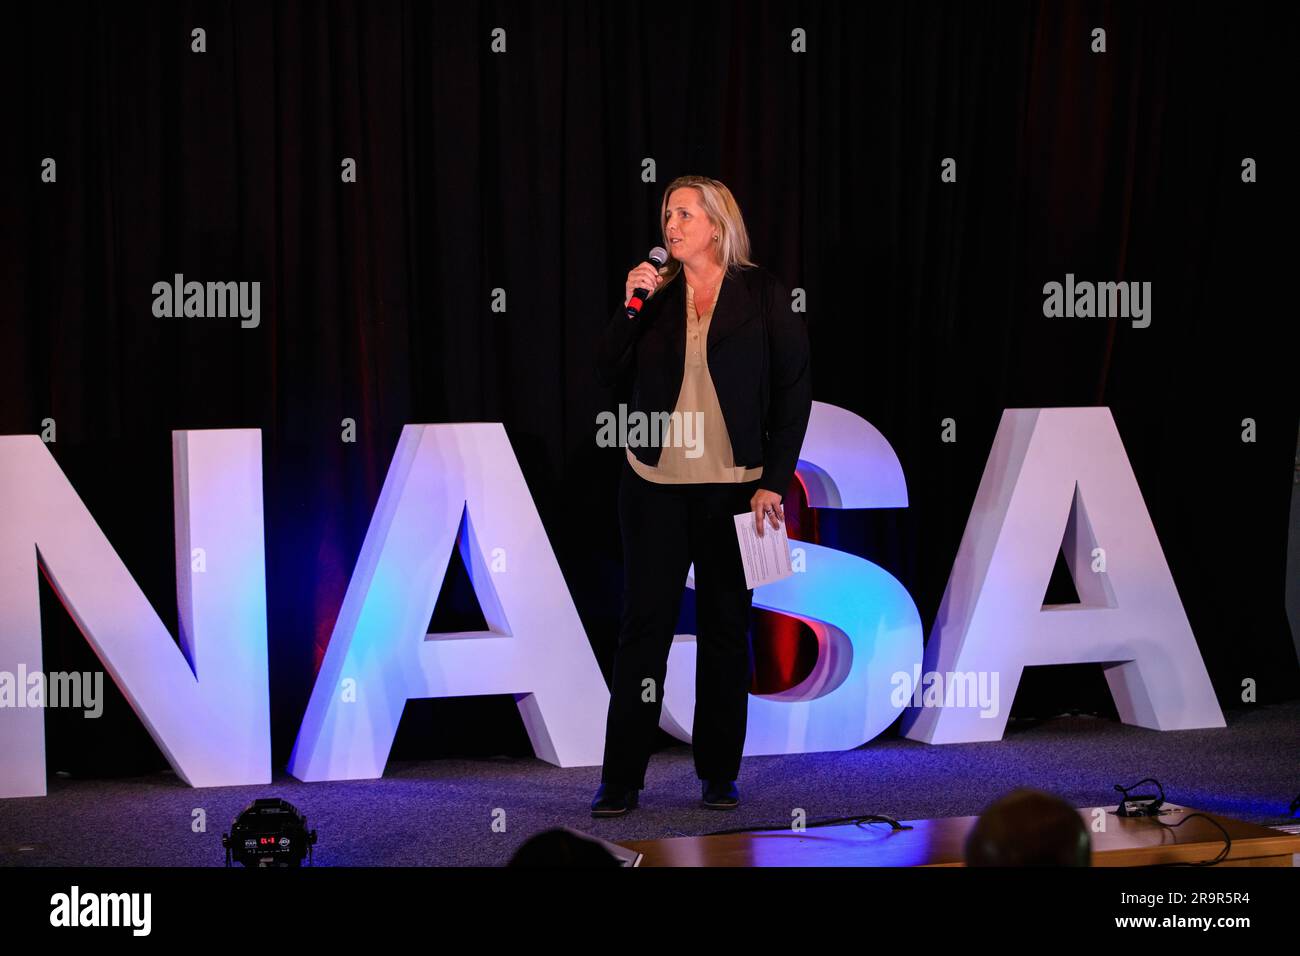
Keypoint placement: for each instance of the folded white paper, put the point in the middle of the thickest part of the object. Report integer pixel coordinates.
(766, 559)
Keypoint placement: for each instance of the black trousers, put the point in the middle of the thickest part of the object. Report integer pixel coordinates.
(666, 528)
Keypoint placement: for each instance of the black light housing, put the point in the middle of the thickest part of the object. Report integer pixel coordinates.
(269, 832)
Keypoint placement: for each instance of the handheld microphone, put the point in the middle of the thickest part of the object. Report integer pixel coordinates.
(658, 256)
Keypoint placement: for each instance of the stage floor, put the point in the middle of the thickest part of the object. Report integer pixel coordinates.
(450, 812)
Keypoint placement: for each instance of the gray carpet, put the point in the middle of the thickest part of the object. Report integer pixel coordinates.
(443, 812)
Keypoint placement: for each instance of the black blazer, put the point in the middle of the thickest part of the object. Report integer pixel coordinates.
(758, 358)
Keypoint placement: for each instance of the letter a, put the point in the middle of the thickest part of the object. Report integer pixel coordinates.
(1059, 479)
(535, 647)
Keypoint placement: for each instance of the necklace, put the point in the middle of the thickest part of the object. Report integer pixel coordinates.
(711, 296)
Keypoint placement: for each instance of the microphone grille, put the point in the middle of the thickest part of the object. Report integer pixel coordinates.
(659, 255)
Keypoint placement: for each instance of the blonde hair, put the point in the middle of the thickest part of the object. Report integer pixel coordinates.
(724, 215)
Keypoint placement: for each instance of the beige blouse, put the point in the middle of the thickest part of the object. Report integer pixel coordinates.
(697, 420)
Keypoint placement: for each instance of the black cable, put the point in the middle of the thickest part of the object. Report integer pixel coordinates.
(1223, 854)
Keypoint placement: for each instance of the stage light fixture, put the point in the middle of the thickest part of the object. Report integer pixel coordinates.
(269, 832)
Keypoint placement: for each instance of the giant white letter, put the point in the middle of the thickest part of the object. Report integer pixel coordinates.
(206, 703)
(866, 623)
(1060, 476)
(380, 655)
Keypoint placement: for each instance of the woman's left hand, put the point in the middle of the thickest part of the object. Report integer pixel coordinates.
(769, 503)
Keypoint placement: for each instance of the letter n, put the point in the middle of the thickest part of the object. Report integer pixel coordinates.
(205, 703)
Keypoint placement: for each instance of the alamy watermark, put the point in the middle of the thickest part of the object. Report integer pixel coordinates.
(209, 300)
(1102, 300)
(651, 430)
(951, 689)
(77, 690)
(133, 911)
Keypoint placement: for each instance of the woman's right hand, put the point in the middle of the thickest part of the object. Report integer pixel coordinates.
(644, 276)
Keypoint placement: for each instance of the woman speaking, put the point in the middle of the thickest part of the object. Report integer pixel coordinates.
(717, 351)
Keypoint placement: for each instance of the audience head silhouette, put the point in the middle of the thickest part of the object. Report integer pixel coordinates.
(1029, 828)
(561, 848)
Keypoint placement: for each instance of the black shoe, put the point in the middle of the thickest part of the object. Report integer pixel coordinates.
(612, 800)
(720, 794)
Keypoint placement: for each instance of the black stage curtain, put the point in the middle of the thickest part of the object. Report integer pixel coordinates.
(522, 171)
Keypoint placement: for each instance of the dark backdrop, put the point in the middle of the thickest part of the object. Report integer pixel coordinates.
(523, 171)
